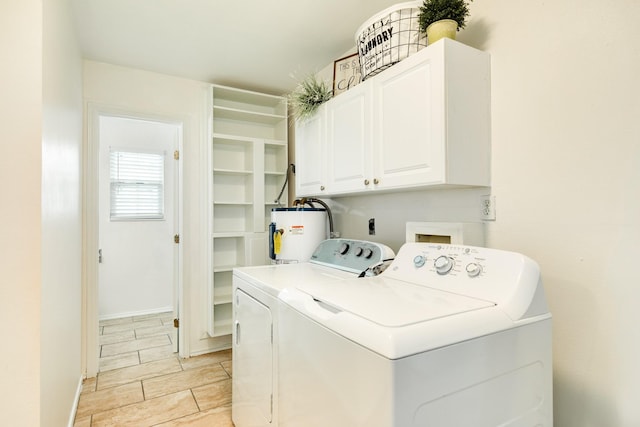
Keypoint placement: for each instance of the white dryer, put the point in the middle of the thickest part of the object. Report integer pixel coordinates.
(256, 325)
(447, 336)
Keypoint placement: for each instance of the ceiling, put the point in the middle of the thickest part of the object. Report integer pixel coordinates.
(263, 45)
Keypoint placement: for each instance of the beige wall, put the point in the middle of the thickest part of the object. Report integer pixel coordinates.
(61, 370)
(566, 176)
(20, 141)
(40, 292)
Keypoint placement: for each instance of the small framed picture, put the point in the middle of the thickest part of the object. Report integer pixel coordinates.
(346, 73)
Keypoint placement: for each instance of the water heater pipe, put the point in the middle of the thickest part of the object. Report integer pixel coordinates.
(310, 201)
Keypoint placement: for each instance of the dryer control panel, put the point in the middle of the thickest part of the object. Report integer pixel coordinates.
(355, 256)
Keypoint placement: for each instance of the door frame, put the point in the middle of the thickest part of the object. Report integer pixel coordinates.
(90, 229)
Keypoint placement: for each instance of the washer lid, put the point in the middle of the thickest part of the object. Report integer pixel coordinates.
(388, 302)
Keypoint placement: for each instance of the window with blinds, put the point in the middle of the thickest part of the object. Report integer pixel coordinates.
(137, 185)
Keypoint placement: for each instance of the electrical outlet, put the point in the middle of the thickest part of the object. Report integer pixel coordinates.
(488, 207)
(372, 226)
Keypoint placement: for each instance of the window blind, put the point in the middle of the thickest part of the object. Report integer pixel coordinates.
(137, 185)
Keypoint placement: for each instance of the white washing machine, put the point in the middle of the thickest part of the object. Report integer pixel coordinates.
(447, 336)
(256, 326)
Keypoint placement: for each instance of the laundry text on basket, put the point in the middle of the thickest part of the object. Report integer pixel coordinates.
(384, 36)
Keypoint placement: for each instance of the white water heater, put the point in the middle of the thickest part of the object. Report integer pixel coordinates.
(294, 233)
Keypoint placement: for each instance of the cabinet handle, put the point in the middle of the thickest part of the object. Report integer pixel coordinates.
(366, 182)
(322, 188)
(237, 332)
(376, 181)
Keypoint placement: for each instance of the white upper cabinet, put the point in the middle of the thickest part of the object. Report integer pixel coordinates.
(408, 142)
(425, 122)
(311, 177)
(349, 140)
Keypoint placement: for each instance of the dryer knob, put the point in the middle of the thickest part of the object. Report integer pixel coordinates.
(443, 264)
(368, 253)
(419, 261)
(359, 251)
(344, 248)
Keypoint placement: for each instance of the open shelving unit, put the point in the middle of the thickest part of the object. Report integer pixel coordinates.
(248, 166)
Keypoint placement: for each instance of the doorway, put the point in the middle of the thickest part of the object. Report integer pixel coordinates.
(136, 217)
(133, 222)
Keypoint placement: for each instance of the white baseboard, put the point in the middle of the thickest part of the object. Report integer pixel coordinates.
(215, 344)
(76, 400)
(135, 313)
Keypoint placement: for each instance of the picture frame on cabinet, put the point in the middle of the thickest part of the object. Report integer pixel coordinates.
(346, 73)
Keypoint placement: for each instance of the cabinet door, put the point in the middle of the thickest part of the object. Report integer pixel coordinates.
(409, 124)
(252, 362)
(349, 141)
(310, 152)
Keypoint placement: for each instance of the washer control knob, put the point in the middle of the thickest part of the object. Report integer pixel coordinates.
(368, 253)
(419, 261)
(443, 264)
(474, 269)
(358, 251)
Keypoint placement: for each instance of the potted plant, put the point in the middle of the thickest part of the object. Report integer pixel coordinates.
(308, 96)
(442, 18)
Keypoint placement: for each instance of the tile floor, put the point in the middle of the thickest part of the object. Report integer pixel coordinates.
(143, 383)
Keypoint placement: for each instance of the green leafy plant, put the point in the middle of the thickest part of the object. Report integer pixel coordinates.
(435, 10)
(308, 96)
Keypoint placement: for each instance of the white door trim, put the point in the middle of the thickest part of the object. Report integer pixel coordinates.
(90, 232)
